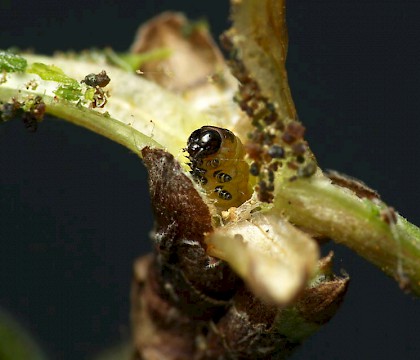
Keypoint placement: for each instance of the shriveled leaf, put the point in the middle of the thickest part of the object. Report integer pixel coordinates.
(272, 256)
(194, 55)
(195, 69)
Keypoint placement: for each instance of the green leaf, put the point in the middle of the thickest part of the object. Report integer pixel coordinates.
(11, 62)
(51, 73)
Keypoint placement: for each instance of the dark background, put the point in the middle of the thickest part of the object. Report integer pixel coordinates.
(74, 207)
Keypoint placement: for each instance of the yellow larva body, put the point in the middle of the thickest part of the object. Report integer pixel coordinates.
(217, 162)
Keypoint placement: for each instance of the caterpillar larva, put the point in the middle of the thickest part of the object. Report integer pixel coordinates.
(217, 163)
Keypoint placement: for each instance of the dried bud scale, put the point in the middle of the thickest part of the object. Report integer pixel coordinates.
(175, 292)
(187, 306)
(181, 215)
(252, 329)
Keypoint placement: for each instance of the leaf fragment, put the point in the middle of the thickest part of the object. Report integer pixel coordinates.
(10, 62)
(273, 257)
(68, 92)
(51, 73)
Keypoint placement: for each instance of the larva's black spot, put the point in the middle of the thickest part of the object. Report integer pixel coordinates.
(214, 163)
(222, 177)
(197, 171)
(202, 180)
(223, 194)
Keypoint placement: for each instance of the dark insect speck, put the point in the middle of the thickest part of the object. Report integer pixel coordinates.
(254, 169)
(101, 79)
(307, 170)
(276, 152)
(9, 110)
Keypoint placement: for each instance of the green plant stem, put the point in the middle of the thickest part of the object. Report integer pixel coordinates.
(358, 223)
(101, 124)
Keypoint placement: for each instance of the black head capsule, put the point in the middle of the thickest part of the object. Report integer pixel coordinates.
(203, 142)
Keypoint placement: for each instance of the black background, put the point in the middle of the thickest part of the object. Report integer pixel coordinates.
(74, 207)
